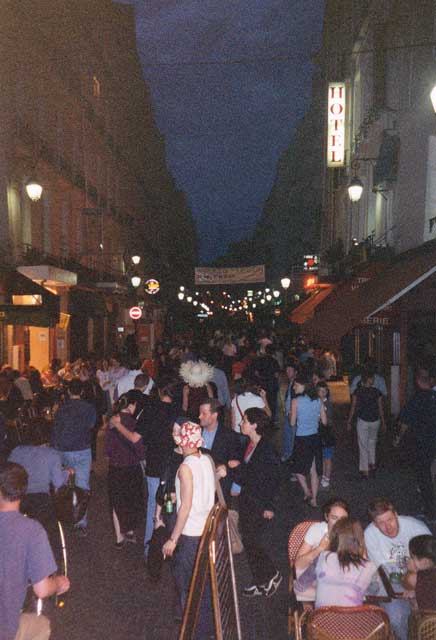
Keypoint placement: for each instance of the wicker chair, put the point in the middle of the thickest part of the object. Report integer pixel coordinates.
(296, 538)
(345, 623)
(422, 624)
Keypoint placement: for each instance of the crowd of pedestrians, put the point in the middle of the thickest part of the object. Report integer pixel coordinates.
(251, 413)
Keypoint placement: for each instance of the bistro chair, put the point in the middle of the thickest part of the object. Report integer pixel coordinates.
(345, 623)
(422, 624)
(296, 538)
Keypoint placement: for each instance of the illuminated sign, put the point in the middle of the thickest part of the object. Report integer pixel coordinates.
(135, 313)
(311, 263)
(152, 287)
(336, 125)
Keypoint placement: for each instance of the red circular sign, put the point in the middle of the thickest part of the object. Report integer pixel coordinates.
(135, 313)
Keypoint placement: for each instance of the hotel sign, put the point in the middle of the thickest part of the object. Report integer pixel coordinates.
(336, 124)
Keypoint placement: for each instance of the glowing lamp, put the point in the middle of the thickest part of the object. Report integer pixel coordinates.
(34, 190)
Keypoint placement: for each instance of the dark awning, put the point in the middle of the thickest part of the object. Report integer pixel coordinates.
(306, 310)
(348, 307)
(42, 314)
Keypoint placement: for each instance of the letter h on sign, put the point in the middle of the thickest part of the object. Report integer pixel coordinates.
(336, 125)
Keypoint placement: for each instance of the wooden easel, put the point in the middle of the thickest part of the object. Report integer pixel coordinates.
(214, 561)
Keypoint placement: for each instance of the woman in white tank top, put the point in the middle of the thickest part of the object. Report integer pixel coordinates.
(195, 490)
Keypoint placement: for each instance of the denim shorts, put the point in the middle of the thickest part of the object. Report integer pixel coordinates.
(327, 453)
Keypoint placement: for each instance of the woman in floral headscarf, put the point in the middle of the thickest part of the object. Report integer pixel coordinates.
(195, 491)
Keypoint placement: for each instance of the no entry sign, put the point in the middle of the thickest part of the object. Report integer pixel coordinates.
(135, 313)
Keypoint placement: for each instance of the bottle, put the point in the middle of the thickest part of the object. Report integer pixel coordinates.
(169, 508)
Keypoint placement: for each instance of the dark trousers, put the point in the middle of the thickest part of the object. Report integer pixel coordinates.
(424, 460)
(39, 506)
(253, 529)
(183, 568)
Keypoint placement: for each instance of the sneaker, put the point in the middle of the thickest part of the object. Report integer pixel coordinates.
(325, 482)
(273, 585)
(81, 531)
(253, 591)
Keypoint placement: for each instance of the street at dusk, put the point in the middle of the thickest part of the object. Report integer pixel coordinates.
(217, 320)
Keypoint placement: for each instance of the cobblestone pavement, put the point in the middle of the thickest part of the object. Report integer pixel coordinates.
(112, 598)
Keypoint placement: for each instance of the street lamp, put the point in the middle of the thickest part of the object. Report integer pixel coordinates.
(136, 259)
(189, 299)
(269, 297)
(355, 189)
(34, 190)
(136, 281)
(276, 293)
(182, 288)
(180, 295)
(285, 282)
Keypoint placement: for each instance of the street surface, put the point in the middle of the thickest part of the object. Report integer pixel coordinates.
(112, 598)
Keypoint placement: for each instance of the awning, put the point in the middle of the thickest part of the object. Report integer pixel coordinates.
(348, 307)
(50, 275)
(13, 285)
(305, 311)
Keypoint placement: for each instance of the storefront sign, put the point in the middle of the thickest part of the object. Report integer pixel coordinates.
(311, 262)
(336, 125)
(135, 313)
(152, 287)
(209, 275)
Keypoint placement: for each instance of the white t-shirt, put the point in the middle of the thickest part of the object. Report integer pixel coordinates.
(392, 553)
(316, 533)
(246, 401)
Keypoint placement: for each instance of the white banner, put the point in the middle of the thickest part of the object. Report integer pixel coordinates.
(242, 275)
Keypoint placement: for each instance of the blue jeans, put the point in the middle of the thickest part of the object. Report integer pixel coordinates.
(152, 486)
(80, 461)
(183, 566)
(398, 612)
(288, 439)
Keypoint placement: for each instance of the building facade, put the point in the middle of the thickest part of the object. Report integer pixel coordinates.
(77, 118)
(379, 250)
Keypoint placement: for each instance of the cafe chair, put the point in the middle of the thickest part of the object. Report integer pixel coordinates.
(295, 540)
(422, 624)
(344, 623)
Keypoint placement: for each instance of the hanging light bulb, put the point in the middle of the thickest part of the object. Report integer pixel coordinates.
(180, 295)
(189, 299)
(276, 293)
(136, 281)
(136, 259)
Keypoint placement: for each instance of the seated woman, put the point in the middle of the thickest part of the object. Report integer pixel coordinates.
(317, 537)
(421, 575)
(343, 573)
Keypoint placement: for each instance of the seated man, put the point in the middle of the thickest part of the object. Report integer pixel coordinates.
(387, 543)
(25, 557)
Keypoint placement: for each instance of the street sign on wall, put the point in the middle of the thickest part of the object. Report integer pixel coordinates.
(135, 313)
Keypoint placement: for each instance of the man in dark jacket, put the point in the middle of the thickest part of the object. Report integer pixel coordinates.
(71, 435)
(420, 415)
(220, 442)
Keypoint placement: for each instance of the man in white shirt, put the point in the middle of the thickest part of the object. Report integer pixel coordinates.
(127, 381)
(387, 542)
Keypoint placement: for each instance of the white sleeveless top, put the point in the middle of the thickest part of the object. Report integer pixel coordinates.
(203, 496)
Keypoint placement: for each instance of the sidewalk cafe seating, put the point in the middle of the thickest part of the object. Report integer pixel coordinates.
(296, 607)
(344, 623)
(422, 624)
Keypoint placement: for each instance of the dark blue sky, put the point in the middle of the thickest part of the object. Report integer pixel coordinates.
(226, 124)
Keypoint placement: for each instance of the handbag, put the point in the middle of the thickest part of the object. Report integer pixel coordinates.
(71, 503)
(232, 517)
